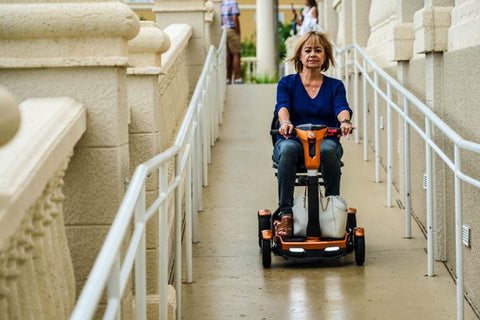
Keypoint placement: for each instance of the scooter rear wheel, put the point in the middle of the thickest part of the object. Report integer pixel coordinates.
(266, 253)
(360, 250)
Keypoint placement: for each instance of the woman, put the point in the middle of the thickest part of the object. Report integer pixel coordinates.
(309, 17)
(309, 96)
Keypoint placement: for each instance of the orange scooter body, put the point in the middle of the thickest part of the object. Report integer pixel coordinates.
(311, 246)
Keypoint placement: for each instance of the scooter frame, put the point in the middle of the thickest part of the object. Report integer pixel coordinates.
(311, 246)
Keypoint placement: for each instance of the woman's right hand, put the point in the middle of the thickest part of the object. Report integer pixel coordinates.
(286, 129)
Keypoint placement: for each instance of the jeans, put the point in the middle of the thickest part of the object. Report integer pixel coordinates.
(289, 153)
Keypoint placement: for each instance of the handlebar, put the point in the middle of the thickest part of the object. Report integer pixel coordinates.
(331, 132)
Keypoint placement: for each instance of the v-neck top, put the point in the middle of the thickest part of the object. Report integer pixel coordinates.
(323, 109)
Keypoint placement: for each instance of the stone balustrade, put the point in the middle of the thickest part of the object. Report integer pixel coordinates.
(158, 90)
(36, 272)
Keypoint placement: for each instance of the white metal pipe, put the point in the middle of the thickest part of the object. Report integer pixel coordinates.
(406, 155)
(162, 246)
(428, 164)
(113, 288)
(355, 95)
(389, 147)
(458, 235)
(204, 130)
(178, 239)
(188, 219)
(376, 130)
(347, 80)
(140, 261)
(365, 112)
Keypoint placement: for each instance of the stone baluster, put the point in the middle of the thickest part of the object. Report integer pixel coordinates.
(36, 278)
(77, 49)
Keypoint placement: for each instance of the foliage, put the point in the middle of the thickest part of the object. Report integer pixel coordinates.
(266, 78)
(249, 47)
(284, 31)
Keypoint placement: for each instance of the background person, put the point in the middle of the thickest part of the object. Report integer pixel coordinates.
(309, 17)
(230, 22)
(309, 96)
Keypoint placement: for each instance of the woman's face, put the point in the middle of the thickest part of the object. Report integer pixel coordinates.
(312, 55)
(305, 2)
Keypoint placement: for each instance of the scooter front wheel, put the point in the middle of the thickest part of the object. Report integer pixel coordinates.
(360, 250)
(266, 253)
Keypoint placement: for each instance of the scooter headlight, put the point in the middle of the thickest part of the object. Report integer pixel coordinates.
(332, 249)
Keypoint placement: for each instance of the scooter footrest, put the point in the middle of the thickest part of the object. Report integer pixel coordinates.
(296, 239)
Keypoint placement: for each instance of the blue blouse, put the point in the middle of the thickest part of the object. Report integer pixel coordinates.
(323, 109)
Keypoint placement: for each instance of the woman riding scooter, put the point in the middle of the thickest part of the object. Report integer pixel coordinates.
(308, 96)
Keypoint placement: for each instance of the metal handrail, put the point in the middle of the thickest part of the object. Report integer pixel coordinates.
(431, 121)
(190, 153)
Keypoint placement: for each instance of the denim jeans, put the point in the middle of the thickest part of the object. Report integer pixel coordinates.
(289, 153)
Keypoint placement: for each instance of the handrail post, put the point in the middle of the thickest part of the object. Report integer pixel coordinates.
(428, 163)
(113, 289)
(458, 234)
(365, 112)
(355, 95)
(406, 153)
(389, 146)
(140, 261)
(178, 235)
(163, 245)
(347, 80)
(376, 129)
(188, 216)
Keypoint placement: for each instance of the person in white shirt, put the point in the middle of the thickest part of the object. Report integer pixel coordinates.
(309, 17)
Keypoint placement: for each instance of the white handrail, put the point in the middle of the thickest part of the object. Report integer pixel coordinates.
(431, 121)
(197, 133)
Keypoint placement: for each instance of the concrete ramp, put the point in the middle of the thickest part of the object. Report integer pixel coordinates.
(229, 280)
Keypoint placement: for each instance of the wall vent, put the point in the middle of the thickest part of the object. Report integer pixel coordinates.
(466, 235)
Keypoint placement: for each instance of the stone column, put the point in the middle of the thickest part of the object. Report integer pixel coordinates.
(78, 49)
(344, 13)
(215, 26)
(144, 131)
(265, 39)
(329, 19)
(10, 120)
(191, 12)
(465, 18)
(431, 38)
(382, 19)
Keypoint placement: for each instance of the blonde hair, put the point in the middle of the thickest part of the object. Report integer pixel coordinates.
(316, 38)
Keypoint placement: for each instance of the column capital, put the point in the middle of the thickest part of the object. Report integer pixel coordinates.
(431, 29)
(403, 38)
(146, 48)
(65, 34)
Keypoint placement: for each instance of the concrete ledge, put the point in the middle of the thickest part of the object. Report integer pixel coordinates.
(49, 130)
(180, 35)
(431, 29)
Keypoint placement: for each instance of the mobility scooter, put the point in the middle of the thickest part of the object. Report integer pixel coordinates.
(311, 244)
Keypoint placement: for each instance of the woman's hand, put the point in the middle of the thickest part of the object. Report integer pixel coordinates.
(286, 129)
(346, 127)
